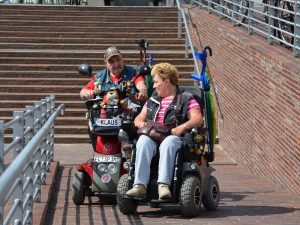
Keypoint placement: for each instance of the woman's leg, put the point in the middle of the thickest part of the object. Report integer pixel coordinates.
(167, 152)
(145, 151)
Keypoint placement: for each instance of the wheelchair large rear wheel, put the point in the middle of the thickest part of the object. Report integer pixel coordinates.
(190, 196)
(211, 197)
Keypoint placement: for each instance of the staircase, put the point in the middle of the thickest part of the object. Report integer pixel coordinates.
(42, 46)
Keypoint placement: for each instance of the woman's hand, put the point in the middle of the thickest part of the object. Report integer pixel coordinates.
(178, 131)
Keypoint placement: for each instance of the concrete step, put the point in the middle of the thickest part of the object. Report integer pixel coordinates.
(84, 40)
(97, 17)
(89, 29)
(71, 138)
(61, 138)
(84, 46)
(77, 23)
(22, 104)
(67, 67)
(72, 112)
(78, 61)
(53, 89)
(55, 74)
(38, 96)
(95, 34)
(44, 81)
(82, 54)
(80, 121)
(86, 10)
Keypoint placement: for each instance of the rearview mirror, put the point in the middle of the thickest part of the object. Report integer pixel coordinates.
(85, 69)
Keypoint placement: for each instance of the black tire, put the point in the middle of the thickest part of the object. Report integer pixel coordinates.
(211, 197)
(190, 196)
(78, 187)
(153, 204)
(126, 205)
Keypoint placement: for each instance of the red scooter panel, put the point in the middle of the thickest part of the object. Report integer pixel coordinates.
(108, 145)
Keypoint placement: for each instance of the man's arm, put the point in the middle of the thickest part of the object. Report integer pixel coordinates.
(143, 92)
(88, 92)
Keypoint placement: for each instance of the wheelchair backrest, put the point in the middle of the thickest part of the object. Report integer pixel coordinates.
(196, 91)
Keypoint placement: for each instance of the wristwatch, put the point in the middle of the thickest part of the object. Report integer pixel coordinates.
(185, 126)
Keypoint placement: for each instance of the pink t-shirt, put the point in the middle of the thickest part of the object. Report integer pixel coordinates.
(165, 102)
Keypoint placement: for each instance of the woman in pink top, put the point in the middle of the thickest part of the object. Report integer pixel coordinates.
(167, 105)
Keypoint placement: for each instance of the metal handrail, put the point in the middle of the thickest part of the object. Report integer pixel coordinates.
(21, 181)
(263, 17)
(187, 33)
(16, 167)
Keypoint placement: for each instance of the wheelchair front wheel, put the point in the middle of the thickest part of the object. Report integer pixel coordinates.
(190, 196)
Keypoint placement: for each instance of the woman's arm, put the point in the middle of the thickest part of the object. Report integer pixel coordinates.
(140, 120)
(195, 119)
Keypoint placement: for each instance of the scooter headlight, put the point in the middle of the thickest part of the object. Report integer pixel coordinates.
(102, 168)
(112, 168)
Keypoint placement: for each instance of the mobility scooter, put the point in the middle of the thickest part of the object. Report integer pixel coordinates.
(112, 132)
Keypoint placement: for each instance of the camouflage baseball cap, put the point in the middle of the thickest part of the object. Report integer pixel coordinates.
(110, 52)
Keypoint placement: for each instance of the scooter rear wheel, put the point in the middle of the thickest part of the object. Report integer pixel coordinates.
(78, 187)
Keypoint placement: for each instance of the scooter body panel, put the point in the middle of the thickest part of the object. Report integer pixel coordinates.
(106, 174)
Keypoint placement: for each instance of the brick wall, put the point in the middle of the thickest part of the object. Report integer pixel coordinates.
(259, 92)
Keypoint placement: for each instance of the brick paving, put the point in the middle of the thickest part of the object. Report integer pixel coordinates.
(245, 199)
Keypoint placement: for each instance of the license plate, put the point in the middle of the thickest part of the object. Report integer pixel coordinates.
(107, 122)
(113, 159)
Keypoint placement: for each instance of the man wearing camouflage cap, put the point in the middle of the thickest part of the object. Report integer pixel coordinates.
(115, 73)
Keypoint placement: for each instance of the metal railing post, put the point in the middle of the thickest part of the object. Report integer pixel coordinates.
(179, 25)
(233, 13)
(28, 193)
(37, 155)
(221, 10)
(37, 116)
(43, 150)
(17, 217)
(296, 50)
(48, 137)
(209, 6)
(18, 134)
(186, 49)
(18, 131)
(29, 123)
(1, 161)
(250, 16)
(28, 173)
(51, 131)
(1, 146)
(271, 22)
